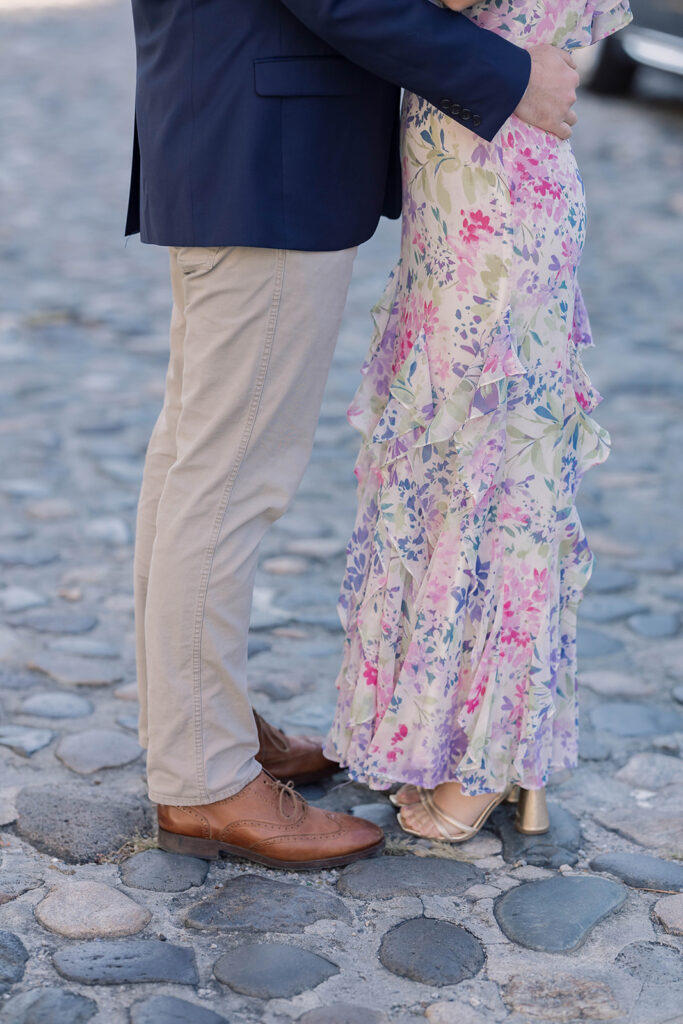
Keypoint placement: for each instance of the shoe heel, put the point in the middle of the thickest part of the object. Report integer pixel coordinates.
(532, 818)
(513, 795)
(190, 846)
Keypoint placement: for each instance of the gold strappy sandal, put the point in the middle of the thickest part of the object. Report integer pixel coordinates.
(445, 823)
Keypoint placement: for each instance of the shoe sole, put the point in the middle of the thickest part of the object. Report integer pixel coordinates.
(212, 849)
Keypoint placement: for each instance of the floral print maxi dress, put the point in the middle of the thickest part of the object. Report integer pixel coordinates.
(468, 559)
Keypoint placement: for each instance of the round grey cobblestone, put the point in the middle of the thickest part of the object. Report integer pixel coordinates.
(609, 683)
(126, 962)
(432, 952)
(556, 847)
(90, 751)
(44, 620)
(659, 967)
(77, 825)
(49, 1006)
(74, 671)
(271, 970)
(163, 872)
(652, 771)
(609, 608)
(170, 1010)
(556, 915)
(85, 646)
(641, 871)
(13, 885)
(23, 488)
(386, 877)
(610, 581)
(655, 625)
(13, 957)
(12, 557)
(633, 718)
(594, 644)
(382, 814)
(56, 705)
(254, 903)
(90, 910)
(13, 531)
(20, 599)
(652, 962)
(23, 740)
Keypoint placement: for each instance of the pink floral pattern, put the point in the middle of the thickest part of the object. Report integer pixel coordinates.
(468, 558)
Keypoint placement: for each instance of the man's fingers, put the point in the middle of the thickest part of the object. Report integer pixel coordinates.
(551, 93)
(560, 128)
(569, 60)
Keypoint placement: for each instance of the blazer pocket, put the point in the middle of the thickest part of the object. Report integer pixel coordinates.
(307, 76)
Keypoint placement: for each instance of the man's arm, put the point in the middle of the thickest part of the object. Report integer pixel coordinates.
(475, 76)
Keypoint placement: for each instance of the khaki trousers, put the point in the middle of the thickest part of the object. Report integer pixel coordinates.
(252, 337)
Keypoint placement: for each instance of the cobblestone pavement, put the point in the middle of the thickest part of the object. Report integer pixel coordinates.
(582, 924)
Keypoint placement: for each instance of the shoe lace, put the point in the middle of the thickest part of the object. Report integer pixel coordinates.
(290, 802)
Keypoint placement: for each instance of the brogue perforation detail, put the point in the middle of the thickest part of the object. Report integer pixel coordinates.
(194, 813)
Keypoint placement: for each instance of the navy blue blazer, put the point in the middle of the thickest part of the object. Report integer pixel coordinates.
(274, 123)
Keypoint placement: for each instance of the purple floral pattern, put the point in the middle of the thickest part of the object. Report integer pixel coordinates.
(468, 559)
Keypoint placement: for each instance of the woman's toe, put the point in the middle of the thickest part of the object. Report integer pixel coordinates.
(418, 820)
(406, 795)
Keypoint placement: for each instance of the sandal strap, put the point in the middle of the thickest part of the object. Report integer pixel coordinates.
(440, 817)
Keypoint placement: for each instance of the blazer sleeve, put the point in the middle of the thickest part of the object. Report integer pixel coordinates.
(471, 74)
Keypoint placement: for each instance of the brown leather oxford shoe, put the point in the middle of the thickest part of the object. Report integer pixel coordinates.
(297, 759)
(268, 823)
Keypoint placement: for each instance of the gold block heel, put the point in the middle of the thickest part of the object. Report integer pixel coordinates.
(513, 795)
(532, 812)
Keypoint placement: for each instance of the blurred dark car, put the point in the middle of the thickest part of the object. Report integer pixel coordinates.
(655, 39)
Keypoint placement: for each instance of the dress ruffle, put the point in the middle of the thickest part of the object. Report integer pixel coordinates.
(610, 17)
(468, 558)
(393, 561)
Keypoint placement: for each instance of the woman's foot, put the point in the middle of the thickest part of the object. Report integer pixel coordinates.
(448, 798)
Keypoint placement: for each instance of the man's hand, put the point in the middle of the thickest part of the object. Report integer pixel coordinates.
(551, 93)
